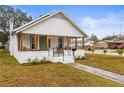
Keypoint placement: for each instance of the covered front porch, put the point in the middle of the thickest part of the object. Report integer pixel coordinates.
(53, 48)
(38, 42)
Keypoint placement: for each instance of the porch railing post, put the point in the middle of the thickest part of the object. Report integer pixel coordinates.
(53, 52)
(75, 42)
(82, 42)
(48, 52)
(63, 56)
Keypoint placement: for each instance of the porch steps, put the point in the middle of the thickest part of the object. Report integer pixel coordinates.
(67, 59)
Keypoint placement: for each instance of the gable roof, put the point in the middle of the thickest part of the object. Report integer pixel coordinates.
(42, 18)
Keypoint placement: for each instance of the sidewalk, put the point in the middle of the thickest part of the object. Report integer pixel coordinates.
(99, 72)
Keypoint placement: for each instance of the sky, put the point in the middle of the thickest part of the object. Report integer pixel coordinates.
(98, 20)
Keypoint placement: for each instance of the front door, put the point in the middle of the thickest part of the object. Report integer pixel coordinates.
(42, 42)
(60, 42)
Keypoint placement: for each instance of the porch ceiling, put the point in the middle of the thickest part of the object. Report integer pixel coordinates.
(53, 35)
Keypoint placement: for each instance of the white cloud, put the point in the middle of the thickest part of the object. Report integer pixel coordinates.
(112, 19)
(108, 25)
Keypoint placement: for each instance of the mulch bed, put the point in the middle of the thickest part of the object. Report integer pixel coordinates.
(38, 63)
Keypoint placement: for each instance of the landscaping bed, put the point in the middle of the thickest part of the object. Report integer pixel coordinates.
(37, 63)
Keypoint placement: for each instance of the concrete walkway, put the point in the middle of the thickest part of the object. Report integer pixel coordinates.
(99, 72)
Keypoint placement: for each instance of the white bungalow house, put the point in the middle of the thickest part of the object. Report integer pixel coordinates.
(52, 36)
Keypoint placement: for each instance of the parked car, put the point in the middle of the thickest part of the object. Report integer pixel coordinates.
(121, 46)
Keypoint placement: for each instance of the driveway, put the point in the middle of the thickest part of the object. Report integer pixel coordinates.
(99, 72)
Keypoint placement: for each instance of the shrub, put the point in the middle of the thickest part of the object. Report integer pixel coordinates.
(41, 61)
(82, 57)
(120, 51)
(89, 49)
(35, 61)
(105, 51)
(79, 57)
(29, 60)
(44, 59)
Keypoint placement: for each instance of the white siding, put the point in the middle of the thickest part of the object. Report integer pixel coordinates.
(13, 46)
(23, 56)
(56, 25)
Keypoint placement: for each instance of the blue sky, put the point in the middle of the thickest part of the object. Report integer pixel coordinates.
(98, 20)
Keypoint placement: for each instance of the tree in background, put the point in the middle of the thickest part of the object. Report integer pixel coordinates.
(110, 37)
(6, 13)
(94, 38)
(4, 37)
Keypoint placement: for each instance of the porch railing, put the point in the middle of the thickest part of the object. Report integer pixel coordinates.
(59, 52)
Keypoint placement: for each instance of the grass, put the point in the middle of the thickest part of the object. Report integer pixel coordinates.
(106, 62)
(14, 74)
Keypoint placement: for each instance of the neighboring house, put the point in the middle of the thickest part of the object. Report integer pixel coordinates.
(51, 36)
(114, 44)
(101, 44)
(79, 42)
(88, 43)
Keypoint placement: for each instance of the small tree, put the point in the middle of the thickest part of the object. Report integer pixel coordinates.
(105, 51)
(120, 51)
(94, 38)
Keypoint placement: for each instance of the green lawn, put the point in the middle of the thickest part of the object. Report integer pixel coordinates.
(106, 62)
(14, 74)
